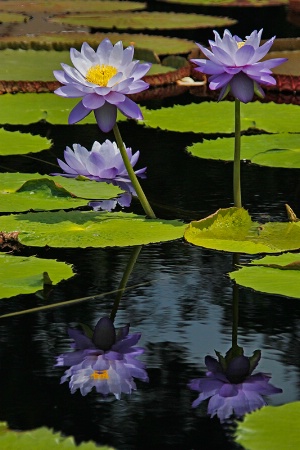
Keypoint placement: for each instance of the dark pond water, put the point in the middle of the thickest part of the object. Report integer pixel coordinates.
(182, 304)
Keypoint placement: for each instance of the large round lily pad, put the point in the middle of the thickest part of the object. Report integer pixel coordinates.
(21, 275)
(213, 117)
(274, 150)
(272, 274)
(12, 18)
(25, 191)
(16, 143)
(232, 230)
(89, 229)
(67, 6)
(161, 45)
(144, 20)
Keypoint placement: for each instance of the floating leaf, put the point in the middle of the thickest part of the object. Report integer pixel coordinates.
(144, 20)
(274, 150)
(272, 274)
(27, 191)
(213, 117)
(271, 428)
(41, 439)
(89, 229)
(161, 45)
(12, 18)
(227, 3)
(16, 143)
(55, 7)
(25, 275)
(232, 230)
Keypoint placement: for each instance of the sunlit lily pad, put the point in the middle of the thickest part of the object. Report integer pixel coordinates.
(16, 143)
(161, 45)
(144, 20)
(41, 439)
(213, 117)
(229, 3)
(90, 229)
(24, 192)
(271, 428)
(64, 6)
(272, 274)
(12, 18)
(232, 230)
(274, 150)
(25, 275)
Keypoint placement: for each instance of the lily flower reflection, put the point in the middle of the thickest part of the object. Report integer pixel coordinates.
(103, 163)
(103, 79)
(234, 65)
(105, 361)
(231, 386)
(123, 200)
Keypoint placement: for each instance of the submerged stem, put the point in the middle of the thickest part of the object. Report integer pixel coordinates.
(133, 178)
(237, 156)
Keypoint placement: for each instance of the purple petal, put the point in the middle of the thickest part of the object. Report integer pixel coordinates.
(78, 113)
(106, 117)
(93, 101)
(104, 334)
(114, 98)
(130, 109)
(218, 81)
(244, 55)
(242, 87)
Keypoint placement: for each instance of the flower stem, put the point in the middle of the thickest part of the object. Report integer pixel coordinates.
(133, 178)
(235, 309)
(237, 156)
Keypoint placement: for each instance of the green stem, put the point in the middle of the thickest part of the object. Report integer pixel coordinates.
(133, 178)
(235, 309)
(237, 156)
(128, 269)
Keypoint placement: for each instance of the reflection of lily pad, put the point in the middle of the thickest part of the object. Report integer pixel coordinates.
(22, 192)
(12, 18)
(16, 143)
(161, 45)
(67, 6)
(275, 150)
(42, 439)
(144, 20)
(272, 274)
(21, 275)
(232, 230)
(213, 117)
(271, 428)
(89, 229)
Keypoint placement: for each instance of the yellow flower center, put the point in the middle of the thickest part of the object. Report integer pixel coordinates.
(100, 74)
(240, 44)
(100, 375)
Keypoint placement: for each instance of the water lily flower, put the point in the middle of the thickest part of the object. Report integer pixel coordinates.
(231, 387)
(103, 78)
(234, 65)
(105, 361)
(104, 162)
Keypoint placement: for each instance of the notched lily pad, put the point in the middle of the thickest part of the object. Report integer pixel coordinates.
(16, 143)
(273, 150)
(144, 20)
(232, 230)
(89, 229)
(26, 275)
(24, 192)
(272, 274)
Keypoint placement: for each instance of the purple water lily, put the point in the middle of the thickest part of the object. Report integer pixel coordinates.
(102, 78)
(234, 65)
(231, 387)
(106, 361)
(104, 162)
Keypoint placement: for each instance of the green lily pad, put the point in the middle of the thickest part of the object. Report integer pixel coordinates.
(274, 150)
(232, 230)
(64, 6)
(213, 117)
(272, 274)
(90, 229)
(41, 439)
(161, 45)
(229, 3)
(12, 18)
(25, 275)
(271, 428)
(27, 191)
(16, 143)
(144, 20)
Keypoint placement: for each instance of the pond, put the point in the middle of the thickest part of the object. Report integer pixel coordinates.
(178, 296)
